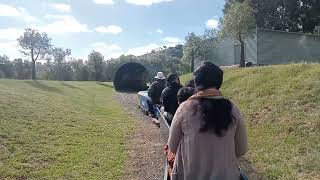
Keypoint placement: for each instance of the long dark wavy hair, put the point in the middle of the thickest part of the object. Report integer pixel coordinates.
(171, 80)
(216, 114)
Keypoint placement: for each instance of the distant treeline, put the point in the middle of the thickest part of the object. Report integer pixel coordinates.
(240, 17)
(168, 59)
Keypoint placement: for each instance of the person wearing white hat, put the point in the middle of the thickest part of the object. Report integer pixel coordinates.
(160, 76)
(154, 92)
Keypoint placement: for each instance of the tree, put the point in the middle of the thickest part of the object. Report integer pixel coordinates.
(238, 23)
(18, 66)
(284, 15)
(228, 4)
(200, 47)
(6, 67)
(59, 56)
(191, 48)
(95, 60)
(35, 45)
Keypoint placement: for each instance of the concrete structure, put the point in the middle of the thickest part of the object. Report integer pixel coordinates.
(271, 47)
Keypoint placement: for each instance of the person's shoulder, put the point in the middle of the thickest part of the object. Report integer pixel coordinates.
(236, 112)
(166, 90)
(155, 83)
(190, 103)
(234, 106)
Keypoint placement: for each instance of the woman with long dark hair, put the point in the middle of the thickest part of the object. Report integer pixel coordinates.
(169, 96)
(207, 133)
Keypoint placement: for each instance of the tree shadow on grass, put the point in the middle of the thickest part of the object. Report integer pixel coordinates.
(250, 170)
(105, 84)
(128, 91)
(42, 86)
(71, 86)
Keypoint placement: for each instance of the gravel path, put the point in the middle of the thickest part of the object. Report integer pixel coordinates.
(146, 158)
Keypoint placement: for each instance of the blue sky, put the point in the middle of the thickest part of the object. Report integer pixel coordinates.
(113, 27)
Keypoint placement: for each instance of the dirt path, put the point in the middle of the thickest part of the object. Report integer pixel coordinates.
(146, 158)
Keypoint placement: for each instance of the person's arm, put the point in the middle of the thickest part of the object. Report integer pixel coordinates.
(241, 139)
(176, 133)
(151, 91)
(165, 99)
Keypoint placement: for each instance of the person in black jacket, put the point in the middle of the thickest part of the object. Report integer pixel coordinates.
(169, 96)
(154, 92)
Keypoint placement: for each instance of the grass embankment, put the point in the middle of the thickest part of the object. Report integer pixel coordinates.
(281, 105)
(61, 130)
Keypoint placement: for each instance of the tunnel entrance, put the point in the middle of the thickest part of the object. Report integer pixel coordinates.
(131, 77)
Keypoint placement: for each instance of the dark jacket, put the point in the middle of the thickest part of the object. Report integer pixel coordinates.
(155, 90)
(169, 98)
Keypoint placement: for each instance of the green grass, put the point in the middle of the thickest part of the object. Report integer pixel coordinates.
(61, 130)
(281, 105)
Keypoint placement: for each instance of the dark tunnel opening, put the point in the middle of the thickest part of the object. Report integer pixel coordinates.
(131, 77)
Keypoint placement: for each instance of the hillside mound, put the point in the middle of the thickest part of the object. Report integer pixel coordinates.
(281, 105)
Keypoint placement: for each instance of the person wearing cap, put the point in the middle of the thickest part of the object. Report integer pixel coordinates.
(154, 92)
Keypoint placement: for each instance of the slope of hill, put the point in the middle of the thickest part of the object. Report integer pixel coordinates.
(281, 105)
(61, 130)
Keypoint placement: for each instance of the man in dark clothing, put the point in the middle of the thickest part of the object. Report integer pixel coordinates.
(169, 96)
(154, 92)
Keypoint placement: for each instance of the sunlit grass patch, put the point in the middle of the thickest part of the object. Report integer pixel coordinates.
(282, 107)
(61, 130)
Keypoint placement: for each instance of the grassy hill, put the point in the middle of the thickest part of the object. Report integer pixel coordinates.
(76, 130)
(281, 105)
(61, 130)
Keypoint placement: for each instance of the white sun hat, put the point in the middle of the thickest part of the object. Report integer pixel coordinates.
(160, 76)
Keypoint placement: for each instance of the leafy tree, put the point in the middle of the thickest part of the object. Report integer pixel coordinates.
(59, 56)
(238, 23)
(191, 48)
(18, 66)
(228, 4)
(6, 68)
(284, 15)
(200, 47)
(95, 61)
(35, 45)
(27, 69)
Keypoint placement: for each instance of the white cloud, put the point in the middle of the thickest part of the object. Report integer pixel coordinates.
(172, 40)
(138, 51)
(146, 2)
(112, 29)
(26, 16)
(212, 23)
(143, 49)
(61, 7)
(160, 31)
(10, 34)
(108, 50)
(60, 24)
(10, 48)
(9, 11)
(29, 18)
(106, 2)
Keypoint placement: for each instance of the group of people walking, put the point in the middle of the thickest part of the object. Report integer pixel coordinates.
(207, 133)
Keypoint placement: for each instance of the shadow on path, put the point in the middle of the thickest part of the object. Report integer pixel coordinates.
(71, 86)
(105, 84)
(40, 85)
